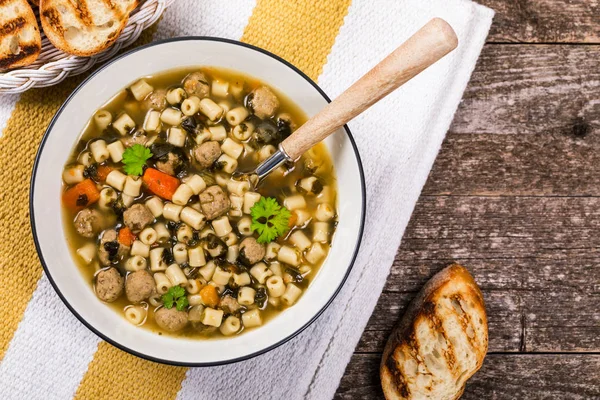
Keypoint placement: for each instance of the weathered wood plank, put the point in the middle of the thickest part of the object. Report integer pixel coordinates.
(544, 21)
(532, 89)
(536, 376)
(521, 165)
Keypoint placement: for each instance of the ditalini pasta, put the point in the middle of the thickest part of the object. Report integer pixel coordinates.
(164, 231)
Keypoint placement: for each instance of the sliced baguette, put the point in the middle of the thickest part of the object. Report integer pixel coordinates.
(20, 40)
(439, 343)
(84, 27)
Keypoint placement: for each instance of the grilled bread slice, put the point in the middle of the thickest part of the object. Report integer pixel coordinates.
(20, 40)
(84, 27)
(439, 343)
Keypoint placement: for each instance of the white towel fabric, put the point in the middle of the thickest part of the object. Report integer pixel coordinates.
(398, 140)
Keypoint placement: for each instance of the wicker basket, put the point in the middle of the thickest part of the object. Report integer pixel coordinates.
(54, 65)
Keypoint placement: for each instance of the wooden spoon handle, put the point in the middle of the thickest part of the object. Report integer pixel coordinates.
(428, 45)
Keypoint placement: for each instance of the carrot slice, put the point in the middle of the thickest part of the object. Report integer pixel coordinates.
(209, 295)
(159, 183)
(81, 195)
(102, 172)
(126, 237)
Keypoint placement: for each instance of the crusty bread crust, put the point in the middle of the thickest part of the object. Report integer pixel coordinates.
(439, 343)
(20, 39)
(84, 29)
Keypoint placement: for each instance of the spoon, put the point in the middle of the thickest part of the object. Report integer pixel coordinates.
(428, 45)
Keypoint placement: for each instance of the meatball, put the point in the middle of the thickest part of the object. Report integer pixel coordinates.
(137, 217)
(156, 100)
(139, 286)
(214, 202)
(263, 102)
(229, 304)
(170, 164)
(251, 251)
(170, 319)
(196, 84)
(110, 249)
(109, 285)
(88, 222)
(207, 153)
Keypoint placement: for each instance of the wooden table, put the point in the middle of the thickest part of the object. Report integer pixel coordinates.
(515, 196)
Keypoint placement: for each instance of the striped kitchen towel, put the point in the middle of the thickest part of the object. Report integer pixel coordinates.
(45, 353)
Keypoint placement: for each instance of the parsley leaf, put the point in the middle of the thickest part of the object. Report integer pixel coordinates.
(175, 297)
(269, 219)
(134, 159)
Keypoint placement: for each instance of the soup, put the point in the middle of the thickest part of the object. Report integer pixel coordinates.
(162, 228)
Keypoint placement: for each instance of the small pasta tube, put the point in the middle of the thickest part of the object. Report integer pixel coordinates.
(127, 200)
(302, 217)
(212, 317)
(218, 133)
(288, 255)
(225, 105)
(190, 106)
(99, 150)
(73, 175)
(266, 152)
(193, 286)
(196, 183)
(152, 121)
(211, 109)
(195, 313)
(250, 198)
(305, 270)
(275, 267)
(294, 202)
(192, 217)
(196, 257)
(243, 131)
(233, 252)
(300, 240)
(230, 326)
(221, 277)
(310, 185)
(176, 96)
(237, 203)
(321, 232)
(274, 301)
(171, 211)
(148, 236)
(227, 163)
(176, 275)
(141, 89)
(156, 260)
(252, 318)
(272, 251)
(135, 263)
(219, 88)
(133, 185)
(87, 252)
(237, 115)
(138, 248)
(171, 116)
(232, 148)
(206, 231)
(244, 226)
(195, 300)
(236, 89)
(116, 179)
(180, 253)
(238, 187)
(102, 118)
(155, 300)
(184, 233)
(275, 286)
(246, 296)
(135, 314)
(162, 233)
(108, 196)
(221, 179)
(163, 284)
(327, 195)
(221, 226)
(315, 253)
(116, 150)
(177, 136)
(242, 279)
(260, 272)
(202, 136)
(86, 158)
(208, 270)
(291, 295)
(123, 124)
(182, 194)
(155, 205)
(325, 212)
(230, 239)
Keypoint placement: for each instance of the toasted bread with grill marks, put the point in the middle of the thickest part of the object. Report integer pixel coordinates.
(84, 27)
(439, 343)
(20, 40)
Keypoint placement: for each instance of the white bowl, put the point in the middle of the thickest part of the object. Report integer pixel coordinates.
(47, 225)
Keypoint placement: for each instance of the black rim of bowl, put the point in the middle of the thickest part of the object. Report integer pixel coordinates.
(127, 349)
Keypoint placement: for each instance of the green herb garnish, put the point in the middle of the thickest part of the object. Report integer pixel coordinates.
(134, 159)
(175, 297)
(269, 219)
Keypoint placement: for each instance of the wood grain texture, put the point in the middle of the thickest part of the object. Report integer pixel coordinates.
(535, 21)
(502, 377)
(533, 89)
